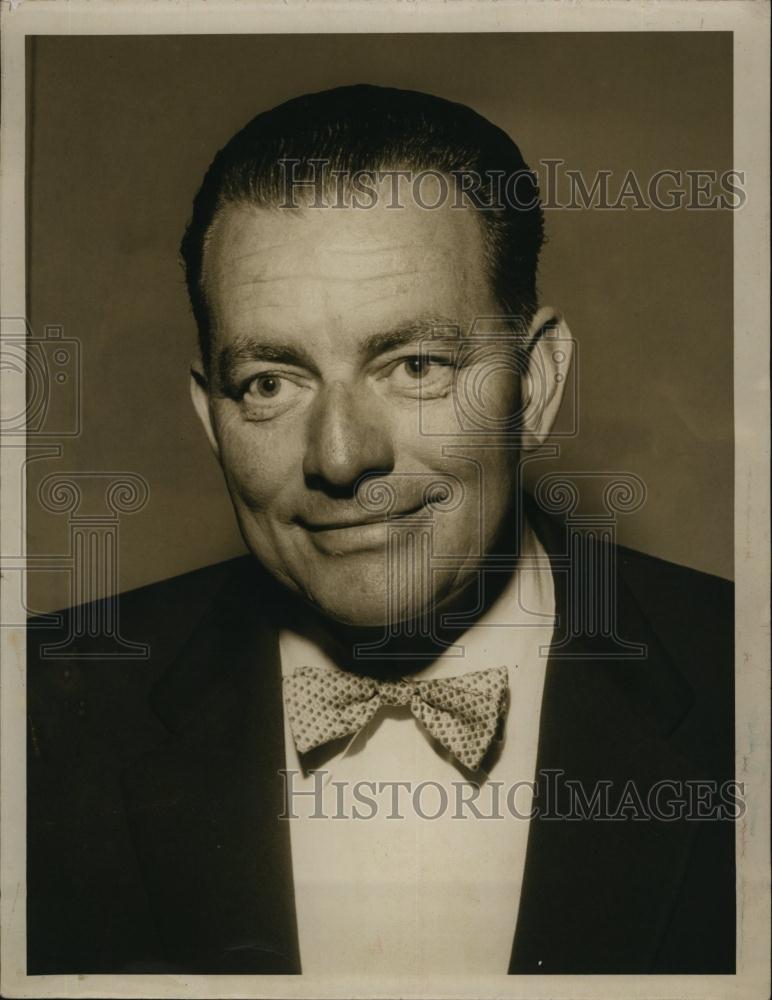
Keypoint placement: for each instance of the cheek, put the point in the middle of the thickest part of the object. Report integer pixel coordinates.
(480, 463)
(487, 398)
(257, 461)
(479, 412)
(501, 393)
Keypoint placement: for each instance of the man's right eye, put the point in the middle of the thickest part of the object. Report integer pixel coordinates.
(265, 386)
(269, 394)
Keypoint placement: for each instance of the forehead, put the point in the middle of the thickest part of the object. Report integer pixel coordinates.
(350, 269)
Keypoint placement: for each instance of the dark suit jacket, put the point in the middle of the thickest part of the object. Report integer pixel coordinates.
(153, 794)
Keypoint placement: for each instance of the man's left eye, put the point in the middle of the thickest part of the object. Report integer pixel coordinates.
(416, 367)
(423, 368)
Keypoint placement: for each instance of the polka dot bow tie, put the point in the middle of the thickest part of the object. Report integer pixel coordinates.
(461, 713)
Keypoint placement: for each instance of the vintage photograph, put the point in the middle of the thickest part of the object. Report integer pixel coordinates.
(380, 465)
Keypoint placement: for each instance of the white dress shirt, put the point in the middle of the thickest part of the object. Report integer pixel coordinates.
(416, 895)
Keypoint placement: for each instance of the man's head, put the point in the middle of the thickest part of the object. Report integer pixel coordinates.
(357, 380)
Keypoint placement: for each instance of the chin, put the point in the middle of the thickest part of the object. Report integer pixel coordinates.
(360, 604)
(351, 606)
(356, 590)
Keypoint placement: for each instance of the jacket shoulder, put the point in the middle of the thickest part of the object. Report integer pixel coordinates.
(152, 607)
(691, 610)
(652, 569)
(154, 600)
(110, 652)
(692, 615)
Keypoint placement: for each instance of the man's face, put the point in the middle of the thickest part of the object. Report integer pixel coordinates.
(333, 401)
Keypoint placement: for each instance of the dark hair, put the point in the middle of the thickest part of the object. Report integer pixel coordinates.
(367, 128)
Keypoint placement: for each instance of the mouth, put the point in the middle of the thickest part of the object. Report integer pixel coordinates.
(344, 524)
(337, 537)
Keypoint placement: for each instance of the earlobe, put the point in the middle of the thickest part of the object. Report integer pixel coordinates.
(550, 350)
(199, 393)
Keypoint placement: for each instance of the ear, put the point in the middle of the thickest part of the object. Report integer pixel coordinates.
(199, 393)
(550, 350)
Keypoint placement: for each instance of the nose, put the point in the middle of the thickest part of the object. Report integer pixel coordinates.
(347, 440)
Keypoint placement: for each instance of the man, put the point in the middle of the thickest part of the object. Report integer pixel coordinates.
(373, 368)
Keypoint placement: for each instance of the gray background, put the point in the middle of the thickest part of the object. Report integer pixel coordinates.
(122, 129)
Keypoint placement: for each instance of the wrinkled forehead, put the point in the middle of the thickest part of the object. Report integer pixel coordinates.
(306, 266)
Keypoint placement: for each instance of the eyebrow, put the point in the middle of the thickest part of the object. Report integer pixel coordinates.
(246, 348)
(427, 328)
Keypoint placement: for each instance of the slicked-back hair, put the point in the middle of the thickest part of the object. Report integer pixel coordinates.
(360, 129)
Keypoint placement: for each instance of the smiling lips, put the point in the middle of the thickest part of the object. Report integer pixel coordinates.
(367, 532)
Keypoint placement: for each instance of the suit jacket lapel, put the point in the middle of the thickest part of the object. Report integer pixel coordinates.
(597, 893)
(204, 807)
